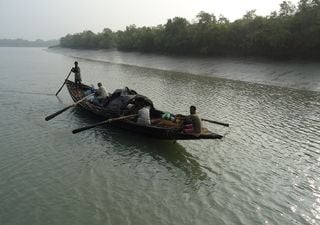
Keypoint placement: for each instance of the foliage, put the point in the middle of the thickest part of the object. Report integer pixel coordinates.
(89, 40)
(26, 43)
(293, 31)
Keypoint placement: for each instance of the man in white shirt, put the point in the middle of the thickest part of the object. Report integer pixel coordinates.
(101, 93)
(144, 116)
(77, 74)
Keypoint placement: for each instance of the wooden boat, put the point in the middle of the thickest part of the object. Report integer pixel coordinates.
(159, 128)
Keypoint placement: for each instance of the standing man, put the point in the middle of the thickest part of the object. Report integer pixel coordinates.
(76, 71)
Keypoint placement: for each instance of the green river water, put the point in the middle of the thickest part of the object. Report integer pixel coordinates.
(265, 170)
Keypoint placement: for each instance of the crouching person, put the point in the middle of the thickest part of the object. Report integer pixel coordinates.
(144, 116)
(192, 123)
(101, 94)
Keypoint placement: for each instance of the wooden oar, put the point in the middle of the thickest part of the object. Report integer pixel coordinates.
(216, 122)
(66, 108)
(103, 123)
(63, 83)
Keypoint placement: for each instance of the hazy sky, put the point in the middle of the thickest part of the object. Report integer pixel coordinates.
(52, 19)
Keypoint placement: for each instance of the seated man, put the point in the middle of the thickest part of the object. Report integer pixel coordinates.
(192, 122)
(101, 94)
(144, 116)
(90, 91)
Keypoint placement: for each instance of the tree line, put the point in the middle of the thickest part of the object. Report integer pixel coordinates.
(292, 31)
(26, 43)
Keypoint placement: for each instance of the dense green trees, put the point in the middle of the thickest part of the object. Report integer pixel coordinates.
(26, 43)
(293, 31)
(89, 40)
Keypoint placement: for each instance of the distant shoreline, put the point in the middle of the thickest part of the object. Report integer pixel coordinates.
(25, 43)
(197, 56)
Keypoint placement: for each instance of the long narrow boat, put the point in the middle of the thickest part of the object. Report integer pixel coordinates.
(117, 105)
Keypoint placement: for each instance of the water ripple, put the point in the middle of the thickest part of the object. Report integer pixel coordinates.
(265, 171)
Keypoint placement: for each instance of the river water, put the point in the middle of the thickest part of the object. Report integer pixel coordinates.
(265, 170)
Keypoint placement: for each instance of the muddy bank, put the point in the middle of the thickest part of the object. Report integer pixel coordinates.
(304, 75)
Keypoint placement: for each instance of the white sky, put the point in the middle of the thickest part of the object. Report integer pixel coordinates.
(52, 19)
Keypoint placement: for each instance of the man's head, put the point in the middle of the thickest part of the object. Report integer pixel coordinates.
(99, 84)
(193, 109)
(76, 63)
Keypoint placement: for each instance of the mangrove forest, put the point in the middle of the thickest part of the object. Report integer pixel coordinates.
(292, 31)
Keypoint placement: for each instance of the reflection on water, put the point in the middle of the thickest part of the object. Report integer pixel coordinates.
(167, 153)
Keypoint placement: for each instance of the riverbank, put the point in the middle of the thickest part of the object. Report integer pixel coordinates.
(297, 74)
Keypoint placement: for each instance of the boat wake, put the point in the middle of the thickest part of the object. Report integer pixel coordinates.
(26, 93)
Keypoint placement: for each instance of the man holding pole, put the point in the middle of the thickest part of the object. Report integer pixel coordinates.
(76, 71)
(77, 76)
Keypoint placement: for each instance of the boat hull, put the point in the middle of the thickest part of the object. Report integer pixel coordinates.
(77, 92)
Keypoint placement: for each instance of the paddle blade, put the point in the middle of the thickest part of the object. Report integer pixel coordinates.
(63, 83)
(220, 123)
(57, 113)
(89, 127)
(216, 122)
(103, 123)
(60, 89)
(81, 129)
